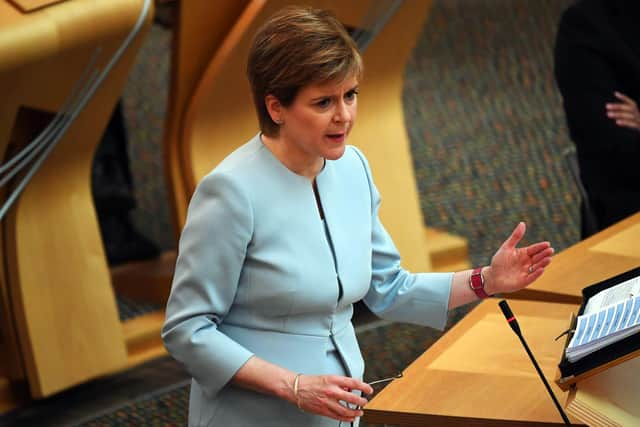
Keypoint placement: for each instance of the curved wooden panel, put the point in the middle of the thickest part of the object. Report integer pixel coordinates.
(201, 28)
(220, 116)
(57, 276)
(382, 134)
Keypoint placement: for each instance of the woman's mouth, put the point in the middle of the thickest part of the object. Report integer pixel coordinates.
(337, 137)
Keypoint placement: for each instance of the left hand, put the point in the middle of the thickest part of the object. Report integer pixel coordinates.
(625, 113)
(514, 268)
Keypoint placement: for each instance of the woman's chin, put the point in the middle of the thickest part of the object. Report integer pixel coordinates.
(334, 153)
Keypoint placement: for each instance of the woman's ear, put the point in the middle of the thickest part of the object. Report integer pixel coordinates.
(274, 108)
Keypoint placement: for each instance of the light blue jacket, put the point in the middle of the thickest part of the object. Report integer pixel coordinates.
(258, 274)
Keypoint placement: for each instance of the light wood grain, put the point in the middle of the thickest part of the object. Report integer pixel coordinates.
(145, 281)
(625, 244)
(59, 284)
(202, 26)
(609, 398)
(589, 261)
(479, 374)
(142, 335)
(381, 132)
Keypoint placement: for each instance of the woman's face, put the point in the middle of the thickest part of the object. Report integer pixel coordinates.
(316, 125)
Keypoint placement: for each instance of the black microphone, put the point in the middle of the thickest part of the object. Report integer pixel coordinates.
(508, 314)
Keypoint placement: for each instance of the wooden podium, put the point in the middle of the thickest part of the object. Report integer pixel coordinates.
(479, 374)
(605, 254)
(59, 324)
(610, 398)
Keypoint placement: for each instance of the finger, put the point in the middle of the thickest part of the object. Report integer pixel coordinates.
(352, 384)
(348, 397)
(516, 236)
(621, 96)
(533, 276)
(533, 249)
(331, 414)
(342, 412)
(331, 407)
(614, 107)
(622, 114)
(544, 262)
(547, 253)
(621, 106)
(628, 124)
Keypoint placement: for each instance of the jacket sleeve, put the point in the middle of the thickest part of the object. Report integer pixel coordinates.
(212, 249)
(395, 293)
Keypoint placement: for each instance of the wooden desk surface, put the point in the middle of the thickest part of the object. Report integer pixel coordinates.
(605, 254)
(478, 373)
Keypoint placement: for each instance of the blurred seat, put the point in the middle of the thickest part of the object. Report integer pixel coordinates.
(63, 65)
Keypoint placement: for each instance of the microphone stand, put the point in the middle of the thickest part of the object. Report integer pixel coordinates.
(508, 314)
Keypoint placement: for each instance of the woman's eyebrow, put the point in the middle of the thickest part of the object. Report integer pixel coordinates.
(331, 95)
(322, 98)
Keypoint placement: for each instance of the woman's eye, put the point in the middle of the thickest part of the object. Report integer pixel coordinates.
(323, 103)
(351, 95)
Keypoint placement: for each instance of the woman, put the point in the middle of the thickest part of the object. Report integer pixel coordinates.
(283, 237)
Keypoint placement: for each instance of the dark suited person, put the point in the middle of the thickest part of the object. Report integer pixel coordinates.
(597, 69)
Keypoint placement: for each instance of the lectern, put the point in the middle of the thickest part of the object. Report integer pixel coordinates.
(479, 374)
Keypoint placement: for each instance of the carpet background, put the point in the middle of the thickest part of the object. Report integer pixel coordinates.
(486, 124)
(486, 128)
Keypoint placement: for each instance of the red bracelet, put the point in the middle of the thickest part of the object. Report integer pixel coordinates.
(476, 283)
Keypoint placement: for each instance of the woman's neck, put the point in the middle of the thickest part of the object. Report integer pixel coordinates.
(294, 160)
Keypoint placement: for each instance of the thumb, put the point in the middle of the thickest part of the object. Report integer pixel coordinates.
(516, 236)
(621, 96)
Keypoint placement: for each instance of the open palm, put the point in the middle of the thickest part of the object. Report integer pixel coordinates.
(514, 268)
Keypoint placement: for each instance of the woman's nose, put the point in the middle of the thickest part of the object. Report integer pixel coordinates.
(342, 113)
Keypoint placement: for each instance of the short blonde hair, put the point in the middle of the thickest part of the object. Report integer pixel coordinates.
(296, 47)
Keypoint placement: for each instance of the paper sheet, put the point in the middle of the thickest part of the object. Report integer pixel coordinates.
(614, 315)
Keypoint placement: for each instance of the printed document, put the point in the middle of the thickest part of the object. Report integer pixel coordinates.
(609, 316)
